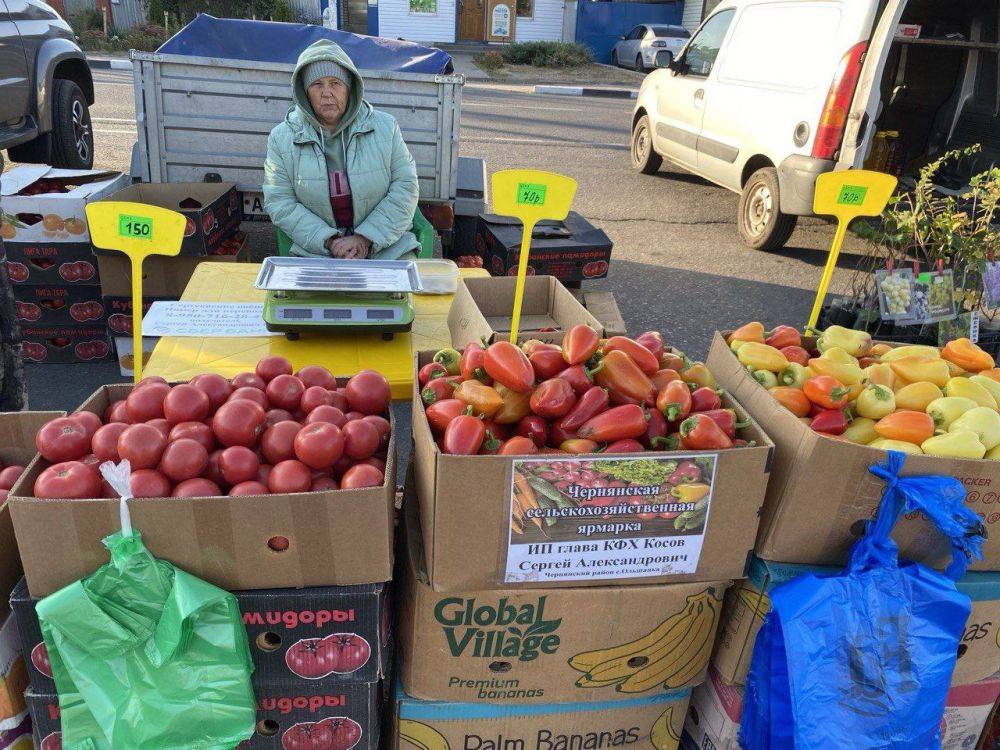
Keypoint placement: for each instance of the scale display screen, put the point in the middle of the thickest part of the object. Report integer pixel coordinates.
(381, 314)
(296, 313)
(337, 314)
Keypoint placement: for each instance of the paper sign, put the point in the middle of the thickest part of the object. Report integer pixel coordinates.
(531, 194)
(136, 227)
(595, 519)
(965, 325)
(852, 195)
(206, 319)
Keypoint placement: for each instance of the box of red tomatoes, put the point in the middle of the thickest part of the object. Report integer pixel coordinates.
(52, 263)
(63, 344)
(42, 304)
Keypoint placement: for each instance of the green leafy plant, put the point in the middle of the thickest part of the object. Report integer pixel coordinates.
(547, 54)
(491, 61)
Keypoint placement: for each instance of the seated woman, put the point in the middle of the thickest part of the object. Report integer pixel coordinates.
(338, 178)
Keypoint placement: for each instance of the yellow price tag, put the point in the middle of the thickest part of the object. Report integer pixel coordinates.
(531, 196)
(138, 231)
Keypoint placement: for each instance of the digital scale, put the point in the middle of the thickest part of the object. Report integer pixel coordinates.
(330, 294)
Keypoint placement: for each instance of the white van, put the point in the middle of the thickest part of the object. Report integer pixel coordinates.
(768, 94)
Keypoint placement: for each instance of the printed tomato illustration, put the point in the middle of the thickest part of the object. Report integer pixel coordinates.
(307, 736)
(208, 221)
(28, 311)
(95, 310)
(34, 351)
(70, 272)
(352, 650)
(595, 268)
(512, 271)
(189, 227)
(40, 658)
(346, 732)
(18, 272)
(75, 226)
(120, 323)
(100, 349)
(312, 658)
(84, 350)
(53, 742)
(79, 311)
(86, 269)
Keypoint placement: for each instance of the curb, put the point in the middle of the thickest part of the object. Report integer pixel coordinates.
(113, 63)
(586, 91)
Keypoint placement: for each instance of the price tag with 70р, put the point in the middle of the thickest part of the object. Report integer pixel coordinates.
(138, 231)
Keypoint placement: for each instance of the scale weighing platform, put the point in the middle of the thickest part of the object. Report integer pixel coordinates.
(330, 294)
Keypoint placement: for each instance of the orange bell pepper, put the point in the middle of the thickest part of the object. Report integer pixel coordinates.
(827, 392)
(783, 336)
(750, 332)
(673, 360)
(908, 426)
(970, 357)
(621, 376)
(484, 400)
(993, 373)
(918, 369)
(661, 377)
(697, 373)
(880, 375)
(878, 350)
(792, 399)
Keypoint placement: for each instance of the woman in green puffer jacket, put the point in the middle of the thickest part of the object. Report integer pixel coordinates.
(338, 178)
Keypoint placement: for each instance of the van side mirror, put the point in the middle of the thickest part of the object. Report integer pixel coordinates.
(664, 59)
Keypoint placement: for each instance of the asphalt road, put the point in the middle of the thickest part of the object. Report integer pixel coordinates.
(678, 264)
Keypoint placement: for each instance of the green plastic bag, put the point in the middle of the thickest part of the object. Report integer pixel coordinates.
(147, 657)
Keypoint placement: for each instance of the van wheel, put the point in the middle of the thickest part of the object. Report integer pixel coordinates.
(762, 225)
(72, 134)
(644, 156)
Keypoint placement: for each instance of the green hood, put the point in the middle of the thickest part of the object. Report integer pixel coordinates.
(315, 52)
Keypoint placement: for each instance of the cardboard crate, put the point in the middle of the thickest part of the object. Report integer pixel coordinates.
(748, 602)
(570, 250)
(279, 710)
(482, 307)
(535, 646)
(45, 305)
(276, 620)
(212, 210)
(465, 512)
(821, 493)
(52, 215)
(52, 263)
(64, 344)
(603, 306)
(335, 538)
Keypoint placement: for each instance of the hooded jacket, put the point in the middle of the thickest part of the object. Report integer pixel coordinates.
(379, 166)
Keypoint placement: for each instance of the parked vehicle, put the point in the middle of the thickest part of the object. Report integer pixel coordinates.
(638, 48)
(767, 95)
(45, 88)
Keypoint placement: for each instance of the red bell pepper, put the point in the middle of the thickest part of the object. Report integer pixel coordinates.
(441, 413)
(674, 400)
(558, 435)
(590, 404)
(700, 432)
(628, 445)
(622, 377)
(500, 431)
(531, 346)
(796, 354)
(518, 446)
(830, 421)
(464, 435)
(579, 377)
(430, 371)
(663, 376)
(652, 340)
(783, 336)
(580, 344)
(726, 419)
(547, 363)
(621, 422)
(553, 399)
(534, 427)
(507, 364)
(656, 427)
(491, 444)
(639, 354)
(705, 399)
(471, 363)
(439, 389)
(674, 361)
(671, 442)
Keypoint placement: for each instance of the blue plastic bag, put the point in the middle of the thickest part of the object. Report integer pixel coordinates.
(861, 660)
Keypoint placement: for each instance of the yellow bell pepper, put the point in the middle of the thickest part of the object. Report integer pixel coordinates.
(765, 377)
(946, 410)
(983, 421)
(795, 375)
(895, 445)
(992, 373)
(916, 369)
(878, 350)
(735, 344)
(848, 374)
(966, 388)
(916, 396)
(875, 402)
(855, 343)
(750, 332)
(861, 430)
(698, 374)
(911, 350)
(837, 354)
(993, 454)
(762, 357)
(690, 493)
(970, 357)
(879, 374)
(993, 386)
(955, 370)
(957, 444)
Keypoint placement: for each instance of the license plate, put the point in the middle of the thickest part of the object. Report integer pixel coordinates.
(253, 207)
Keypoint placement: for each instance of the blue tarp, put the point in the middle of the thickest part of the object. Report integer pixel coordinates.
(267, 41)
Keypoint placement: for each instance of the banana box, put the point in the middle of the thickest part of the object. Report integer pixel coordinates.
(652, 722)
(748, 602)
(544, 645)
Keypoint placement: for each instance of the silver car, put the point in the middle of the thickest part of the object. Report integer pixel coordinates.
(639, 47)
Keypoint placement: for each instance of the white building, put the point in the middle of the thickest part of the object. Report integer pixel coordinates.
(448, 21)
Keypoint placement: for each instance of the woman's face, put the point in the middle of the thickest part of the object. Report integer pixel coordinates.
(328, 97)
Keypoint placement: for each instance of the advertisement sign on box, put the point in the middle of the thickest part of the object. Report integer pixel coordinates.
(46, 305)
(55, 264)
(62, 344)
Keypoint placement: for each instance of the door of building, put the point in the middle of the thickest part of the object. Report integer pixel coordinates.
(471, 20)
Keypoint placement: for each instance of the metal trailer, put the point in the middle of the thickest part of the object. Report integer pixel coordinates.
(202, 117)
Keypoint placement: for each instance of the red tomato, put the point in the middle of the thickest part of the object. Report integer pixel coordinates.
(90, 421)
(312, 658)
(352, 415)
(118, 412)
(146, 403)
(142, 445)
(315, 396)
(361, 475)
(183, 459)
(104, 444)
(215, 386)
(149, 379)
(199, 487)
(248, 488)
(289, 476)
(197, 431)
(62, 439)
(308, 736)
(212, 471)
(361, 439)
(238, 464)
(368, 392)
(339, 399)
(325, 413)
(248, 393)
(186, 403)
(271, 367)
(324, 484)
(285, 392)
(93, 462)
(311, 375)
(263, 472)
(346, 732)
(239, 422)
(319, 445)
(67, 480)
(278, 442)
(353, 651)
(162, 425)
(277, 415)
(249, 380)
(382, 425)
(149, 483)
(378, 463)
(10, 475)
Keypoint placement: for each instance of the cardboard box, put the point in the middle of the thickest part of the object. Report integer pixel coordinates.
(482, 307)
(279, 711)
(44, 204)
(539, 646)
(212, 210)
(52, 263)
(336, 538)
(276, 621)
(602, 305)
(62, 344)
(748, 602)
(466, 505)
(13, 677)
(124, 346)
(571, 250)
(821, 492)
(45, 305)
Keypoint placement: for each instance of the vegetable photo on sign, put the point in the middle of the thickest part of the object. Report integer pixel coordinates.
(895, 293)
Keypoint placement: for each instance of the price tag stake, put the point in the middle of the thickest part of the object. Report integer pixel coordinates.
(138, 231)
(531, 196)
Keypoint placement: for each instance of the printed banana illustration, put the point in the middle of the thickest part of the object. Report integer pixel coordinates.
(663, 735)
(757, 601)
(671, 655)
(423, 736)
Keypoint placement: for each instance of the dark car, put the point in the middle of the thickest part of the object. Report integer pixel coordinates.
(46, 88)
